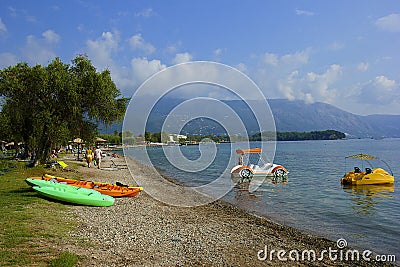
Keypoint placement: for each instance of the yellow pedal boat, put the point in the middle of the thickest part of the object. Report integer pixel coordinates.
(370, 176)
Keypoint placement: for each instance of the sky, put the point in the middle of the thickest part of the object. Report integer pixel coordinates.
(345, 53)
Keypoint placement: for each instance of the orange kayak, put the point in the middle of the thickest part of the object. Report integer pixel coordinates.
(104, 188)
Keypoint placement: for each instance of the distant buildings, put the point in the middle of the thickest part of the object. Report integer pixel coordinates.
(174, 138)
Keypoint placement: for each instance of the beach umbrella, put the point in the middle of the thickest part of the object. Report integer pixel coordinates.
(100, 140)
(361, 156)
(78, 141)
(9, 144)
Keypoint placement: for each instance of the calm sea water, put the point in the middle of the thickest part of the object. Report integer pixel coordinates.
(312, 199)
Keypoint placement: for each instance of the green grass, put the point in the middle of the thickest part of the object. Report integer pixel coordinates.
(5, 166)
(66, 259)
(29, 224)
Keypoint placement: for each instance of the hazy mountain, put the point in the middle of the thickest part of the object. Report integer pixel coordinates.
(289, 116)
(299, 116)
(384, 125)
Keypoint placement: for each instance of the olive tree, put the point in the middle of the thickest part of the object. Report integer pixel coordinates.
(46, 106)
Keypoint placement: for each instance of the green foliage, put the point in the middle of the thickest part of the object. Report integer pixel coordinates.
(127, 134)
(112, 138)
(128, 138)
(5, 166)
(48, 106)
(164, 137)
(156, 137)
(264, 136)
(200, 138)
(299, 136)
(5, 133)
(66, 259)
(29, 223)
(148, 137)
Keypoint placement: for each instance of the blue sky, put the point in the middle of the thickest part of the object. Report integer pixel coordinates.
(345, 53)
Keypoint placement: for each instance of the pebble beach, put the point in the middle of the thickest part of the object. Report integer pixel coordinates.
(142, 231)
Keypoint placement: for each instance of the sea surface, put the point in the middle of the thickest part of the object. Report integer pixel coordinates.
(312, 199)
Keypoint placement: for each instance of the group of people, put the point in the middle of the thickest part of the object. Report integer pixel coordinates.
(69, 149)
(95, 156)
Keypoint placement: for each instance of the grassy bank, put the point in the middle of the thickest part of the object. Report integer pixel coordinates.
(31, 225)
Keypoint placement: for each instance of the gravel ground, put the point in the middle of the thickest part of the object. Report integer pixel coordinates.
(142, 231)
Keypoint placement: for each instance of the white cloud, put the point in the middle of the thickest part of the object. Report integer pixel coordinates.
(40, 50)
(128, 79)
(312, 86)
(304, 12)
(274, 70)
(218, 51)
(100, 50)
(171, 49)
(390, 23)
(7, 59)
(286, 87)
(103, 52)
(138, 43)
(140, 69)
(379, 95)
(289, 60)
(13, 12)
(242, 67)
(3, 28)
(308, 98)
(146, 13)
(36, 52)
(300, 57)
(194, 80)
(51, 37)
(320, 85)
(271, 59)
(182, 58)
(144, 68)
(363, 66)
(385, 82)
(380, 90)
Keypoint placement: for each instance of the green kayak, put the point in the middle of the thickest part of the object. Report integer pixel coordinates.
(71, 194)
(44, 183)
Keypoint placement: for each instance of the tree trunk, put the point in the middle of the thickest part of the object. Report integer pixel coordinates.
(44, 147)
(16, 148)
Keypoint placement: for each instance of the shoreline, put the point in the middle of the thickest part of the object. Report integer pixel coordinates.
(142, 231)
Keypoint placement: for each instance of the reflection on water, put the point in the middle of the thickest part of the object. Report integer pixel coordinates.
(249, 199)
(245, 197)
(269, 179)
(366, 197)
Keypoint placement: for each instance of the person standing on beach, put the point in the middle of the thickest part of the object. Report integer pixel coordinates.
(98, 156)
(89, 157)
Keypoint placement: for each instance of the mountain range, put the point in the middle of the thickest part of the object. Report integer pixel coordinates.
(299, 116)
(289, 116)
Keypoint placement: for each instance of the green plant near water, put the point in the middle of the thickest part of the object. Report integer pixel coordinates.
(30, 224)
